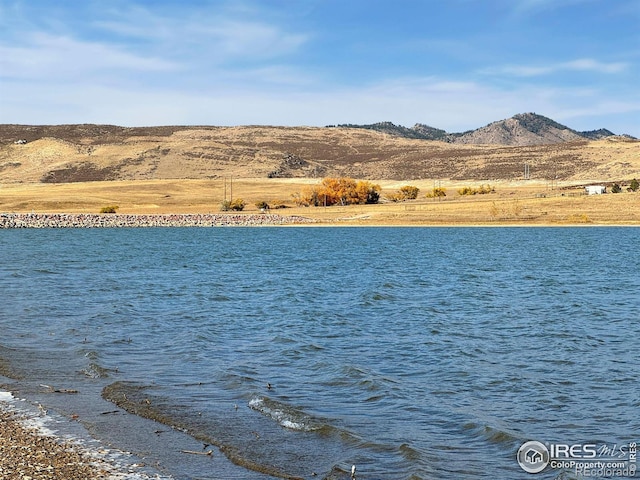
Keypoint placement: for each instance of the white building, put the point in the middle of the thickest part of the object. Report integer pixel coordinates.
(595, 189)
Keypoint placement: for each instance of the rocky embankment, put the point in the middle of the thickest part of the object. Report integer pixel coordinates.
(84, 220)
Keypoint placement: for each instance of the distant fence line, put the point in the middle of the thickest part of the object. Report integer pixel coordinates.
(84, 220)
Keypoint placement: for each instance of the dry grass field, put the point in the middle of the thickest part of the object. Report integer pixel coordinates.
(513, 203)
(82, 168)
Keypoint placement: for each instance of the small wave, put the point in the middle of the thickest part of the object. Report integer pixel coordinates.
(93, 370)
(234, 381)
(45, 271)
(286, 415)
(282, 339)
(220, 298)
(312, 347)
(363, 380)
(7, 368)
(369, 384)
(374, 398)
(371, 298)
(6, 396)
(136, 399)
(491, 434)
(409, 453)
(90, 354)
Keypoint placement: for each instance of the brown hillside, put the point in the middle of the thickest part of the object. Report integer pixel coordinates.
(74, 153)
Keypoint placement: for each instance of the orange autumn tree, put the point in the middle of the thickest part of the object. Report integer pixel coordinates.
(341, 190)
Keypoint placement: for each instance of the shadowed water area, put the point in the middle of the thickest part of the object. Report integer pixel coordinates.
(413, 353)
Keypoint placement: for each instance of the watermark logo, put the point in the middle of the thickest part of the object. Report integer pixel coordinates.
(585, 460)
(533, 457)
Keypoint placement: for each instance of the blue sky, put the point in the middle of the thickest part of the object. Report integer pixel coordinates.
(451, 64)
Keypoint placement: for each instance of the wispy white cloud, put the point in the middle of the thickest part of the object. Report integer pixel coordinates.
(51, 57)
(588, 64)
(252, 39)
(578, 65)
(222, 35)
(134, 43)
(522, 7)
(274, 75)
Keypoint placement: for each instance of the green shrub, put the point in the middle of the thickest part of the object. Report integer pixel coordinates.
(262, 205)
(634, 185)
(616, 188)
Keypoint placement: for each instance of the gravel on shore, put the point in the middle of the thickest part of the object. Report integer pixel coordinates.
(25, 454)
(32, 447)
(88, 220)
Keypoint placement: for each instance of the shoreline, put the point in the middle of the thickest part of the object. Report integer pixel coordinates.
(17, 221)
(87, 220)
(25, 453)
(29, 450)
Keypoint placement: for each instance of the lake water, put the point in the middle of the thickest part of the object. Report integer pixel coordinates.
(412, 353)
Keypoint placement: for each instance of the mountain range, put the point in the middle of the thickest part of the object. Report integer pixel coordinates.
(500, 150)
(524, 129)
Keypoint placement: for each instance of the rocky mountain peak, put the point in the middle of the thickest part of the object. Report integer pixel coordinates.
(523, 129)
(520, 130)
